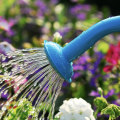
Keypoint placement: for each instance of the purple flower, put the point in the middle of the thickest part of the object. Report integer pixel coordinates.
(87, 7)
(74, 0)
(80, 11)
(54, 1)
(110, 93)
(96, 94)
(4, 39)
(26, 10)
(116, 102)
(80, 65)
(81, 16)
(74, 10)
(11, 33)
(99, 56)
(6, 47)
(76, 75)
(64, 30)
(42, 6)
(93, 80)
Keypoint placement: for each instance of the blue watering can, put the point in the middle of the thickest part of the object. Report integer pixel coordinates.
(61, 58)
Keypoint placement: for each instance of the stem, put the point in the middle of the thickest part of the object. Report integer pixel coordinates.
(95, 115)
(110, 118)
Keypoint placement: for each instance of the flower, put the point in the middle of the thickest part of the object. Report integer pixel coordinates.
(18, 82)
(6, 47)
(112, 57)
(75, 109)
(16, 86)
(109, 94)
(5, 25)
(57, 37)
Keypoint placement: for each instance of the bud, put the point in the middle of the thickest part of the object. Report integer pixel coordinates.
(112, 110)
(100, 103)
(57, 37)
(100, 91)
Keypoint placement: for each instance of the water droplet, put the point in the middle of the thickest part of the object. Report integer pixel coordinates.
(7, 103)
(35, 84)
(3, 108)
(5, 92)
(3, 58)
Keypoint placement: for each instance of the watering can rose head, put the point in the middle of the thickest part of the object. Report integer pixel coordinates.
(75, 109)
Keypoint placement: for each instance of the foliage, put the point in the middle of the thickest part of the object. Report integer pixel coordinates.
(22, 108)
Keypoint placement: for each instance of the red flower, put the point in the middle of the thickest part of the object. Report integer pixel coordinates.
(112, 57)
(107, 68)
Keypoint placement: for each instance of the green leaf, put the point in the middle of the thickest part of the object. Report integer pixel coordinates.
(112, 110)
(23, 110)
(4, 5)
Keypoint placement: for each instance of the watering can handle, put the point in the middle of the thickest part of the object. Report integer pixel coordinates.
(89, 37)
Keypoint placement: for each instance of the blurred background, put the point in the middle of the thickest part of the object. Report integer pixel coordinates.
(27, 23)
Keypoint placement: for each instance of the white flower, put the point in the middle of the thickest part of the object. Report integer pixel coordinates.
(58, 9)
(75, 109)
(57, 35)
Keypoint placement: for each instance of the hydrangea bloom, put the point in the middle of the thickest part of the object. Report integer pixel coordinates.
(75, 109)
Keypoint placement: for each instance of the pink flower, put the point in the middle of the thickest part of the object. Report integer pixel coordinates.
(5, 25)
(108, 68)
(16, 86)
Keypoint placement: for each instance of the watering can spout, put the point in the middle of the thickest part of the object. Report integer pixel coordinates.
(61, 58)
(89, 37)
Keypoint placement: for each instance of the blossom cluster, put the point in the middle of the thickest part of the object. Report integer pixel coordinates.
(75, 109)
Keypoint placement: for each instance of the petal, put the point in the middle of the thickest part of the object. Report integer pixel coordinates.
(87, 112)
(67, 116)
(76, 75)
(94, 93)
(92, 117)
(58, 115)
(16, 88)
(6, 47)
(110, 93)
(77, 116)
(19, 79)
(82, 117)
(108, 68)
(86, 118)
